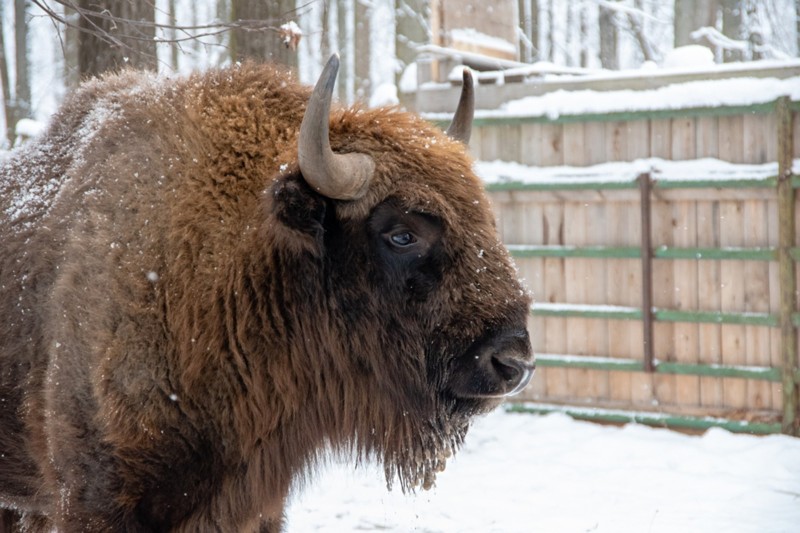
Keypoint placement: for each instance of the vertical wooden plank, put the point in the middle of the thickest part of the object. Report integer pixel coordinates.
(756, 296)
(616, 140)
(774, 297)
(684, 272)
(732, 299)
(732, 347)
(476, 142)
(531, 270)
(619, 292)
(708, 296)
(663, 297)
(531, 144)
(490, 143)
(595, 294)
(795, 126)
(707, 137)
(637, 139)
(755, 137)
(552, 150)
(661, 138)
(508, 142)
(576, 274)
(683, 138)
(572, 141)
(594, 134)
(771, 136)
(731, 140)
(687, 388)
(555, 329)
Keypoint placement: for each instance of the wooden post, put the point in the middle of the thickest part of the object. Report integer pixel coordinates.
(647, 274)
(788, 284)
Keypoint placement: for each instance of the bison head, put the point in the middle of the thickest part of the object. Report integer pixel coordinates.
(412, 302)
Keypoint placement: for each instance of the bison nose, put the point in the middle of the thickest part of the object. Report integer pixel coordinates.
(497, 365)
(513, 370)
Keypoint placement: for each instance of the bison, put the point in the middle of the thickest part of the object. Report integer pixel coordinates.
(211, 282)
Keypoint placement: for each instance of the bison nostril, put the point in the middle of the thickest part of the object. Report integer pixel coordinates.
(516, 372)
(507, 368)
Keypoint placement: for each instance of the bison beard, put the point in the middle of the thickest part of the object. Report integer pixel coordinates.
(209, 283)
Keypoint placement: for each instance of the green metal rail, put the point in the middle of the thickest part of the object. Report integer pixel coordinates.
(661, 252)
(649, 418)
(660, 315)
(614, 364)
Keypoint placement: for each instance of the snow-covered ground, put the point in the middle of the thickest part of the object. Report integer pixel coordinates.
(527, 473)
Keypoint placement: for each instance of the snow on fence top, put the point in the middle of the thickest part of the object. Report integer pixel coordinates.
(689, 95)
(603, 92)
(706, 169)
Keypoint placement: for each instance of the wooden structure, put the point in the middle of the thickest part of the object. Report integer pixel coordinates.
(487, 28)
(668, 300)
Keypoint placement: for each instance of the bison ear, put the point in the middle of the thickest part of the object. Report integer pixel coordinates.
(296, 206)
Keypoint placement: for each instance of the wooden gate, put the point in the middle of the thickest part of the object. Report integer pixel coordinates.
(663, 294)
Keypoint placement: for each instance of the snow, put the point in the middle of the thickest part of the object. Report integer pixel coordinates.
(28, 128)
(408, 79)
(385, 94)
(382, 52)
(583, 308)
(695, 94)
(707, 169)
(522, 472)
(692, 55)
(472, 37)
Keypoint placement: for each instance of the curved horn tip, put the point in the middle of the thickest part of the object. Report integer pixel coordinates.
(467, 77)
(461, 126)
(338, 176)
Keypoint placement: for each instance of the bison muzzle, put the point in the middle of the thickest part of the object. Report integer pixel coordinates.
(211, 282)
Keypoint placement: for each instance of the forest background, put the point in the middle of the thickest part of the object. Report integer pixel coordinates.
(48, 46)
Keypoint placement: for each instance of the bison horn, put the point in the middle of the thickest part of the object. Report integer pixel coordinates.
(461, 126)
(338, 176)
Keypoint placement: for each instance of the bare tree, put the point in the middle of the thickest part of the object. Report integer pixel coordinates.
(691, 15)
(125, 38)
(255, 26)
(16, 103)
(609, 57)
(265, 45)
(732, 20)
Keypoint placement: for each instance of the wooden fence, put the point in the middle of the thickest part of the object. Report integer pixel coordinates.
(669, 301)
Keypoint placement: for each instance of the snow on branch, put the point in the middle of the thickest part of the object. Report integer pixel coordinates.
(716, 38)
(621, 8)
(720, 40)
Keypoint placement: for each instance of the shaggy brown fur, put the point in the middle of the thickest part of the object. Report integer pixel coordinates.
(185, 325)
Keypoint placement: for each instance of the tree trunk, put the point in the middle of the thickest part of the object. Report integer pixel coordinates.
(413, 29)
(732, 19)
(6, 87)
(608, 38)
(126, 41)
(264, 43)
(529, 20)
(17, 105)
(22, 86)
(173, 47)
(691, 15)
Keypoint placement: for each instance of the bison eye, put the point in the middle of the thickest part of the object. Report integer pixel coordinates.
(403, 238)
